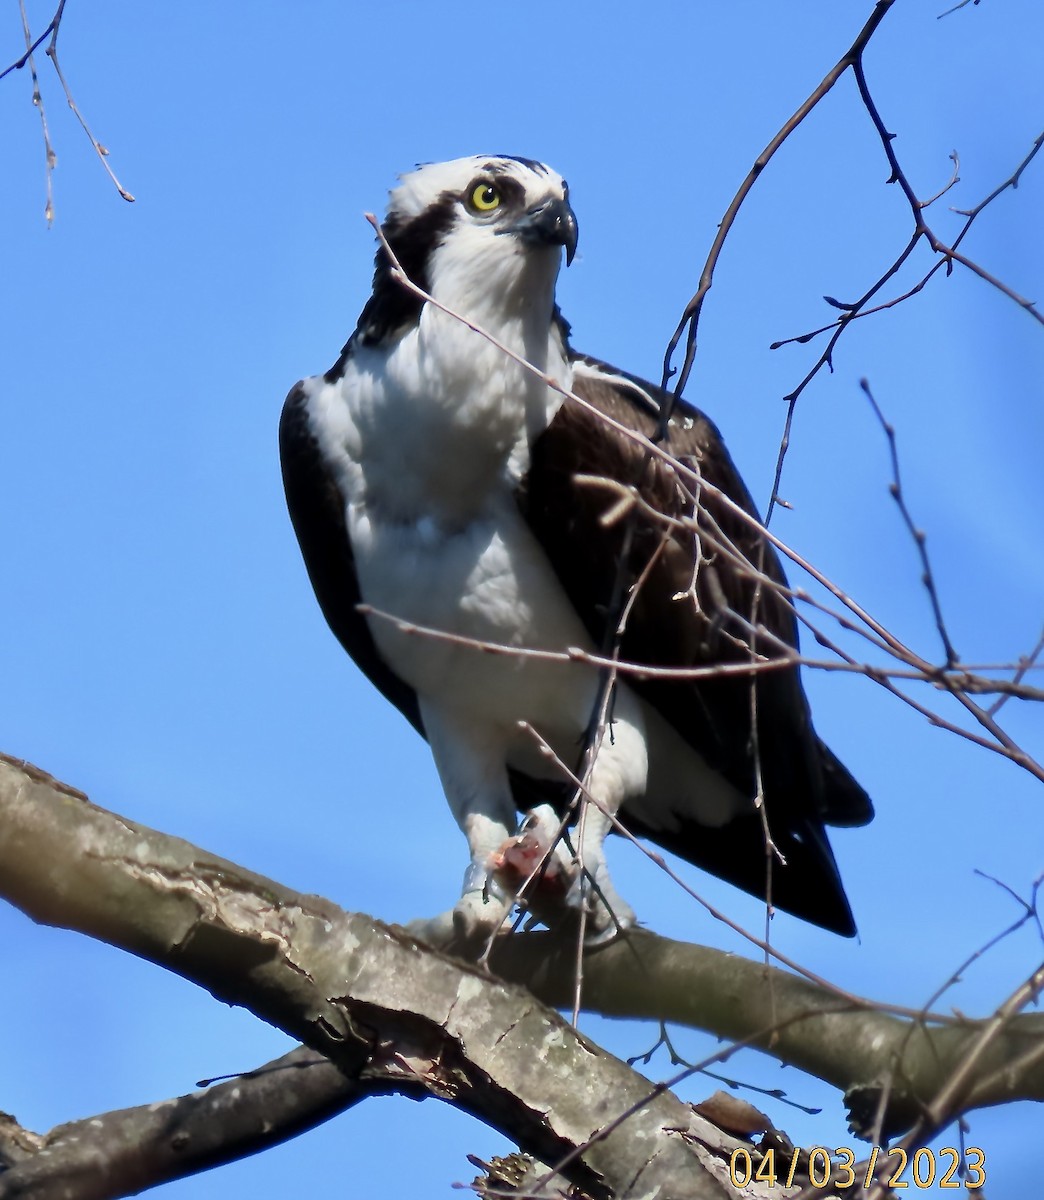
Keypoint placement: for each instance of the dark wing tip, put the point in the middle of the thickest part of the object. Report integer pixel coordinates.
(806, 885)
(845, 802)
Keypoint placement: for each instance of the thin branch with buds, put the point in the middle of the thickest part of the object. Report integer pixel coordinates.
(50, 35)
(49, 155)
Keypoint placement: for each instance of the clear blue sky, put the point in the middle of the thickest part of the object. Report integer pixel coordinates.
(161, 648)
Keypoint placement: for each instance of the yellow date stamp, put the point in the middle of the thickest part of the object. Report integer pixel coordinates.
(897, 1168)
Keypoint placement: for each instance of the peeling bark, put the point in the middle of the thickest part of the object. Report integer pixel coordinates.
(119, 1153)
(357, 991)
(391, 1014)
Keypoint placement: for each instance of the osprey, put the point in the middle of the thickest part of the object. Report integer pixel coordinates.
(433, 481)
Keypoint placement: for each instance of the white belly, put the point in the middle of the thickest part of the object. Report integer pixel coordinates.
(489, 582)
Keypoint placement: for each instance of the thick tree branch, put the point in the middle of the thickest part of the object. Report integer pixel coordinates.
(362, 993)
(368, 997)
(852, 1044)
(120, 1153)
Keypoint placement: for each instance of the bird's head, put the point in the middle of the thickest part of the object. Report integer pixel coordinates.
(481, 234)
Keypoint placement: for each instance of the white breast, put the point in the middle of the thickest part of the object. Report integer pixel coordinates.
(427, 441)
(488, 582)
(441, 422)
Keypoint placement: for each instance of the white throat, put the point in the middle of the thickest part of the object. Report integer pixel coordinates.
(444, 418)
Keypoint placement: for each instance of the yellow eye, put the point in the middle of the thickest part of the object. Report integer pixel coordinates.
(484, 197)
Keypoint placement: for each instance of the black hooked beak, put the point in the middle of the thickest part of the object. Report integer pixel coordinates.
(552, 223)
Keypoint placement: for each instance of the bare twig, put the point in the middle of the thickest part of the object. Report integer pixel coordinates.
(679, 1060)
(857, 311)
(959, 678)
(1026, 664)
(50, 35)
(52, 28)
(49, 155)
(99, 149)
(962, 4)
(691, 315)
(895, 488)
(949, 254)
(952, 182)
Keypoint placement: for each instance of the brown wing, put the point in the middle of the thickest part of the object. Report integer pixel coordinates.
(804, 784)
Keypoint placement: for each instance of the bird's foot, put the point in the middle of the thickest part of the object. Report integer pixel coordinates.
(482, 913)
(535, 871)
(537, 868)
(607, 914)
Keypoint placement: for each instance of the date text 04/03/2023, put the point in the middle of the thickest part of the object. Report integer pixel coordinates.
(923, 1168)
